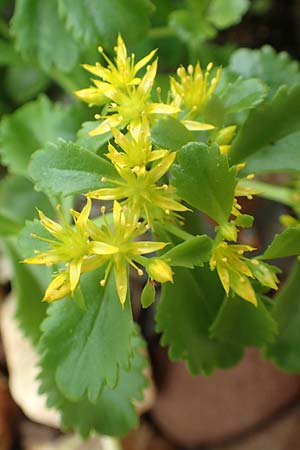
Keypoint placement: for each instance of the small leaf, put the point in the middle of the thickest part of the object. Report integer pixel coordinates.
(113, 412)
(275, 69)
(240, 322)
(32, 126)
(41, 35)
(223, 15)
(90, 348)
(92, 143)
(94, 23)
(185, 313)
(243, 94)
(203, 178)
(170, 134)
(65, 168)
(285, 244)
(268, 139)
(28, 284)
(148, 294)
(193, 252)
(285, 351)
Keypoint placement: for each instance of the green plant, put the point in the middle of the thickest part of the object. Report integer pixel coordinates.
(165, 157)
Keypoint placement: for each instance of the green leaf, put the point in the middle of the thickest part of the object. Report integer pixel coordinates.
(91, 346)
(28, 244)
(185, 313)
(113, 412)
(28, 284)
(243, 94)
(148, 294)
(224, 14)
(40, 35)
(31, 127)
(193, 252)
(268, 140)
(241, 322)
(203, 178)
(8, 56)
(275, 69)
(65, 168)
(284, 244)
(92, 22)
(285, 351)
(8, 226)
(19, 199)
(170, 134)
(23, 82)
(92, 143)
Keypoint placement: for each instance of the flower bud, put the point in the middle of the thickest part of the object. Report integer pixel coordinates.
(160, 271)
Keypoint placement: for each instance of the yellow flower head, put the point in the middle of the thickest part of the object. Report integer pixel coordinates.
(234, 270)
(70, 246)
(143, 194)
(115, 247)
(132, 104)
(193, 88)
(120, 74)
(137, 149)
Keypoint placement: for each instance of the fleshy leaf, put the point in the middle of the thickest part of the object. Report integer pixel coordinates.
(284, 244)
(92, 22)
(148, 294)
(185, 313)
(203, 178)
(223, 15)
(31, 127)
(243, 94)
(113, 413)
(275, 69)
(239, 321)
(169, 133)
(268, 140)
(65, 168)
(285, 350)
(193, 252)
(90, 348)
(40, 35)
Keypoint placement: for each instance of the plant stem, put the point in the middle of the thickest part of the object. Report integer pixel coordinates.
(109, 443)
(281, 194)
(179, 232)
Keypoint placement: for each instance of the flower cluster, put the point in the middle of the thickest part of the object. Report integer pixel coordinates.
(142, 194)
(86, 246)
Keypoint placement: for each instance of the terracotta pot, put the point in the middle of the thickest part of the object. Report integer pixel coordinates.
(208, 410)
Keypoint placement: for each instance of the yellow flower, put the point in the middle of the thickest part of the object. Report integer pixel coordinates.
(234, 270)
(142, 192)
(132, 104)
(70, 246)
(115, 247)
(120, 75)
(136, 146)
(192, 91)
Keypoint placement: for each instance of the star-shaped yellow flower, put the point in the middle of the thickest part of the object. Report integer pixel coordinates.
(116, 248)
(70, 246)
(234, 270)
(137, 148)
(120, 74)
(144, 196)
